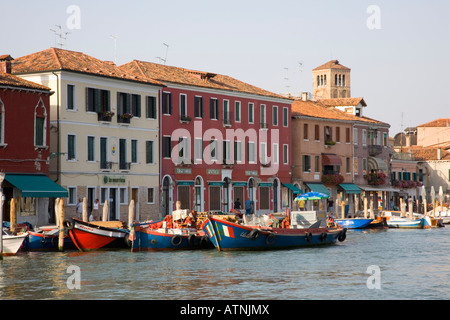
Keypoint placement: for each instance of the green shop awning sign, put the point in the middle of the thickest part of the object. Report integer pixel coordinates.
(107, 179)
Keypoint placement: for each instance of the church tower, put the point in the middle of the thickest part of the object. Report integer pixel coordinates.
(331, 80)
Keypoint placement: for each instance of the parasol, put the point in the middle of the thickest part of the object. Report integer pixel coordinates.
(312, 196)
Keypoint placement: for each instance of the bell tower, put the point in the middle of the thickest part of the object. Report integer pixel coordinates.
(331, 80)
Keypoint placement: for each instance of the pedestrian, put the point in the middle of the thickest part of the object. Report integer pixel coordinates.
(237, 205)
(95, 210)
(79, 208)
(301, 205)
(248, 207)
(330, 205)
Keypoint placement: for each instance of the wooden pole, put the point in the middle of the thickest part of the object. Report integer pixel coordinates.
(402, 208)
(343, 209)
(105, 211)
(365, 207)
(410, 208)
(57, 211)
(425, 207)
(12, 215)
(85, 210)
(61, 225)
(372, 216)
(131, 213)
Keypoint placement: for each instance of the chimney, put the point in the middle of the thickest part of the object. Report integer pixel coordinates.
(305, 96)
(439, 154)
(5, 63)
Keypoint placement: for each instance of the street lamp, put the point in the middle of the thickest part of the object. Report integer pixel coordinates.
(2, 177)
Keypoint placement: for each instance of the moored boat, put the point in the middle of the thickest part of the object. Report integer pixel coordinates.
(46, 239)
(97, 235)
(168, 235)
(378, 223)
(226, 235)
(12, 243)
(403, 222)
(354, 223)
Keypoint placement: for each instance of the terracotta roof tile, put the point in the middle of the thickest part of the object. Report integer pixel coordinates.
(193, 78)
(428, 154)
(10, 80)
(442, 122)
(333, 64)
(341, 102)
(59, 59)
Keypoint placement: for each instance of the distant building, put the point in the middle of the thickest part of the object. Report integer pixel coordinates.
(331, 81)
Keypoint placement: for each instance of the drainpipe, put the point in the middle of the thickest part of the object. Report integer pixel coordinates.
(58, 142)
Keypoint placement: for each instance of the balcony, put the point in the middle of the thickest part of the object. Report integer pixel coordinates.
(124, 118)
(264, 125)
(227, 119)
(124, 166)
(375, 150)
(185, 119)
(106, 165)
(105, 116)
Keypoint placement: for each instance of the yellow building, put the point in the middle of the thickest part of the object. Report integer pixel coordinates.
(104, 131)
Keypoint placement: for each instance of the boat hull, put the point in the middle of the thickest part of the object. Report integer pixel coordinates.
(87, 236)
(157, 240)
(12, 244)
(406, 223)
(227, 236)
(42, 241)
(356, 223)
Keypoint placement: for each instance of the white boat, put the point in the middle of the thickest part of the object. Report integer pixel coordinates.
(403, 222)
(12, 243)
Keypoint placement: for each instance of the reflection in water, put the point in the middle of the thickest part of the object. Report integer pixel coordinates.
(413, 263)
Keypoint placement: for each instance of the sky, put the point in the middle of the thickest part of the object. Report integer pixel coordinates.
(399, 51)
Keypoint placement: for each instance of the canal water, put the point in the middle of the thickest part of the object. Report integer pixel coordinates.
(374, 265)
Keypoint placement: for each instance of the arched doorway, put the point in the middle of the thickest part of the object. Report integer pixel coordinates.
(166, 196)
(198, 194)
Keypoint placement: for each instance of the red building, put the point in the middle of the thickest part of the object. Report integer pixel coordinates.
(220, 140)
(24, 146)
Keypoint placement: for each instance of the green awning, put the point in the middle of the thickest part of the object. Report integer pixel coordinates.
(350, 188)
(36, 186)
(265, 184)
(216, 183)
(318, 187)
(293, 188)
(239, 184)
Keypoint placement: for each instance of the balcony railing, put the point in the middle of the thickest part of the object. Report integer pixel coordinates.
(264, 125)
(375, 150)
(184, 118)
(106, 165)
(124, 165)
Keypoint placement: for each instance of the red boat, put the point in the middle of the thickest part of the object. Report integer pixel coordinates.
(93, 235)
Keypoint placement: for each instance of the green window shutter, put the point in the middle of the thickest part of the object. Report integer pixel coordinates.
(39, 131)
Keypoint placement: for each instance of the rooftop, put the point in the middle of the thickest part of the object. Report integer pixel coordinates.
(333, 64)
(10, 80)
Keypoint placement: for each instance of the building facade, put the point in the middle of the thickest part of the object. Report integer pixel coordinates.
(221, 141)
(104, 131)
(24, 147)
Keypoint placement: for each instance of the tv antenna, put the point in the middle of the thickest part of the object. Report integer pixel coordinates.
(287, 80)
(165, 57)
(115, 48)
(59, 33)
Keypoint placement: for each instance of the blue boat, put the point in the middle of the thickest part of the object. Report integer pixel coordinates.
(226, 236)
(354, 223)
(150, 237)
(407, 223)
(45, 240)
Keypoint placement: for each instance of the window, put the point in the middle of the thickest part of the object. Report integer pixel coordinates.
(71, 147)
(238, 151)
(364, 165)
(355, 165)
(198, 149)
(70, 97)
(134, 151)
(285, 154)
(347, 135)
(167, 147)
(316, 164)
(123, 196)
(198, 107)
(364, 137)
(251, 152)
(263, 116)
(275, 153)
(347, 165)
(72, 195)
(226, 151)
(136, 105)
(275, 115)
(150, 195)
(305, 131)
(251, 113)
(355, 135)
(214, 198)
(97, 100)
(123, 164)
(285, 117)
(328, 136)
(338, 134)
(149, 152)
(263, 153)
(90, 148)
(316, 133)
(183, 148)
(237, 111)
(264, 198)
(167, 103)
(104, 153)
(214, 149)
(123, 107)
(214, 108)
(183, 107)
(151, 107)
(2, 123)
(306, 163)
(385, 139)
(226, 112)
(40, 127)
